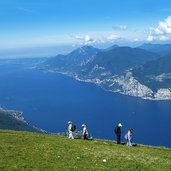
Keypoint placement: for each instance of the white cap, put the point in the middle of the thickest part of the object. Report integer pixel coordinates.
(69, 122)
(120, 125)
(83, 125)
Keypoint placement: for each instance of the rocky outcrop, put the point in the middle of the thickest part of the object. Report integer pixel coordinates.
(163, 94)
(130, 86)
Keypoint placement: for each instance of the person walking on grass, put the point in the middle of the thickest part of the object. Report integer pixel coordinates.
(118, 132)
(70, 130)
(128, 137)
(85, 131)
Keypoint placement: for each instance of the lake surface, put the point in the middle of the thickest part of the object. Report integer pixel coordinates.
(49, 100)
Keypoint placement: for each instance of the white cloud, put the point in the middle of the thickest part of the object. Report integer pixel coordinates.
(113, 37)
(158, 31)
(165, 26)
(120, 27)
(162, 31)
(97, 38)
(150, 38)
(163, 38)
(136, 40)
(86, 39)
(78, 37)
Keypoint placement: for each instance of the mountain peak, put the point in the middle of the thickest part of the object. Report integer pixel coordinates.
(87, 47)
(111, 47)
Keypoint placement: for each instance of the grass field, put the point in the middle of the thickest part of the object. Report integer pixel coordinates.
(41, 152)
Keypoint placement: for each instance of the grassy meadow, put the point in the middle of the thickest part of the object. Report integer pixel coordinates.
(22, 151)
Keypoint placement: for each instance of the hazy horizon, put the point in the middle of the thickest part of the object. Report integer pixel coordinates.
(47, 28)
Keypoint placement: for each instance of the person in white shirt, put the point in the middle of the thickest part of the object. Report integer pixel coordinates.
(128, 137)
(70, 130)
(85, 131)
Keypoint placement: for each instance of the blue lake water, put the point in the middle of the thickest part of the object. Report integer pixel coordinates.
(49, 100)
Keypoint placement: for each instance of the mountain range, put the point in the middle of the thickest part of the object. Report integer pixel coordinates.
(143, 71)
(162, 49)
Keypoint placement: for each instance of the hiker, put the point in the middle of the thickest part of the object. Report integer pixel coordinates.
(128, 137)
(70, 130)
(118, 132)
(85, 131)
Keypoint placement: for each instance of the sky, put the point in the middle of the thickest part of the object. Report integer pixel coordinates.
(48, 27)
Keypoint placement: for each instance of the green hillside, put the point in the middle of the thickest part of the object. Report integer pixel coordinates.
(41, 152)
(13, 120)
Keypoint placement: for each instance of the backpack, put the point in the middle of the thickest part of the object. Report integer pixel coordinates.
(116, 130)
(73, 127)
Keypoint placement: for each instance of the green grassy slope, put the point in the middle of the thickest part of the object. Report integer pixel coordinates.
(40, 152)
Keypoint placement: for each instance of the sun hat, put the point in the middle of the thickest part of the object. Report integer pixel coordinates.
(120, 125)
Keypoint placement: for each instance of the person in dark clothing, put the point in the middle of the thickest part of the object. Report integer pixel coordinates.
(118, 132)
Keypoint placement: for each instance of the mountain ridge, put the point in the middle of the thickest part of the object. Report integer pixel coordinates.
(116, 69)
(161, 49)
(113, 70)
